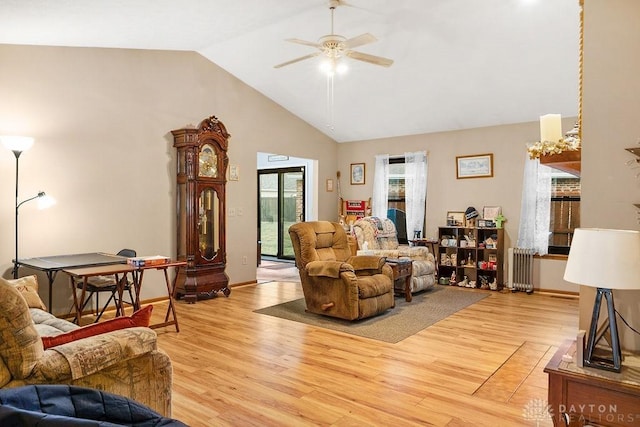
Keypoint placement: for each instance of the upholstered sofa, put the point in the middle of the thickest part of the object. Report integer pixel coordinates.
(334, 282)
(379, 237)
(125, 362)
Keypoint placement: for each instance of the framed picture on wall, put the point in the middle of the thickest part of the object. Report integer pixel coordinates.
(357, 173)
(491, 212)
(456, 219)
(476, 166)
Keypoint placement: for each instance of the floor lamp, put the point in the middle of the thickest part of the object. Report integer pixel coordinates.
(604, 259)
(19, 144)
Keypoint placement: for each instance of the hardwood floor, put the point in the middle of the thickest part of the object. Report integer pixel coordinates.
(481, 366)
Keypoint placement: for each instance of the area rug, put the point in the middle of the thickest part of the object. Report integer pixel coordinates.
(406, 319)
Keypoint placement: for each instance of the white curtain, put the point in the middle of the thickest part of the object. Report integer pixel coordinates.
(415, 182)
(380, 199)
(536, 207)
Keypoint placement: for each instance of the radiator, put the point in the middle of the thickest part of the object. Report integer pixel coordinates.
(521, 269)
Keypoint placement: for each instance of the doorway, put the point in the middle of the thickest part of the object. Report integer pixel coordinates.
(281, 203)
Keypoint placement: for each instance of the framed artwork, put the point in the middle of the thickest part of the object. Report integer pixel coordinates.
(491, 212)
(455, 219)
(329, 185)
(357, 173)
(476, 166)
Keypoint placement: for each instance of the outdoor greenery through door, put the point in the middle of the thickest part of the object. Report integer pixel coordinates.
(280, 204)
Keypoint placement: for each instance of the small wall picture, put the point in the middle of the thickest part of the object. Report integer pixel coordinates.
(455, 219)
(476, 166)
(357, 173)
(491, 212)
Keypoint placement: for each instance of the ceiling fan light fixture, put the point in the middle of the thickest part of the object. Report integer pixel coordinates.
(334, 46)
(332, 66)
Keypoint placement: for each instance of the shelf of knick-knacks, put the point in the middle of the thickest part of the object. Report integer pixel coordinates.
(471, 257)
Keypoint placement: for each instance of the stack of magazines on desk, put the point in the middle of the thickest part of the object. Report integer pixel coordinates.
(148, 261)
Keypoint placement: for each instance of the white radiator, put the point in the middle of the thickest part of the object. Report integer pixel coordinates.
(521, 269)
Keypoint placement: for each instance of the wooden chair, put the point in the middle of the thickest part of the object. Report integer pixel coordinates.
(99, 284)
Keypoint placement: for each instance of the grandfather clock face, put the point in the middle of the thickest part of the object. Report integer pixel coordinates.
(207, 162)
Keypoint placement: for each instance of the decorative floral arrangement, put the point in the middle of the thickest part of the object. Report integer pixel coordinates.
(571, 142)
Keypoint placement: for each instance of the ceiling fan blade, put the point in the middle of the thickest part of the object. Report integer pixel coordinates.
(293, 61)
(348, 4)
(304, 42)
(372, 59)
(360, 40)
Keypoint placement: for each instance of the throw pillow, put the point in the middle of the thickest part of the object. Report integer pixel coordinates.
(28, 288)
(20, 344)
(141, 317)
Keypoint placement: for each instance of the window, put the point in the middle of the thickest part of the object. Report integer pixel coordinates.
(565, 211)
(396, 198)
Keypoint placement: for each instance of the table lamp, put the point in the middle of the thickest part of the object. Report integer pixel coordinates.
(604, 259)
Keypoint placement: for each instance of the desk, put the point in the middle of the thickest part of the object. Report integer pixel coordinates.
(52, 264)
(120, 271)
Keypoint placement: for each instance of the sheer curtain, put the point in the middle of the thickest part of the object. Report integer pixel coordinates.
(536, 207)
(415, 187)
(380, 199)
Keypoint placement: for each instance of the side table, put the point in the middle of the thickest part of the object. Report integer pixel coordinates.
(402, 270)
(587, 396)
(433, 248)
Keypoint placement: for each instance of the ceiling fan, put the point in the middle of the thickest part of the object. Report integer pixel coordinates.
(334, 46)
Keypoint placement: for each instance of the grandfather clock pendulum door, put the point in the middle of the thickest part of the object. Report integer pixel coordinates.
(201, 179)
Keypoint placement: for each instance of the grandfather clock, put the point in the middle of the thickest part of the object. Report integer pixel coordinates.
(201, 179)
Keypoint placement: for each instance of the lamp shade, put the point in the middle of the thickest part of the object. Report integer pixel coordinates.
(16, 143)
(604, 258)
(45, 201)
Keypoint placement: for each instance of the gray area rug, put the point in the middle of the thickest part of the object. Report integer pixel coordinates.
(406, 319)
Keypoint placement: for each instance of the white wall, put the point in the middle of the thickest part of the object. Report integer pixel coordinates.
(102, 120)
(611, 105)
(447, 193)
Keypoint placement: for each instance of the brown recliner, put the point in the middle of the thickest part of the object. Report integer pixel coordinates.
(334, 282)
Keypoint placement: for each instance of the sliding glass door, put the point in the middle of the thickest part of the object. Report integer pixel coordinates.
(280, 204)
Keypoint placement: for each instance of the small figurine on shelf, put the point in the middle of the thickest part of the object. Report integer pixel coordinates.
(469, 241)
(499, 220)
(471, 214)
(464, 283)
(452, 281)
(484, 282)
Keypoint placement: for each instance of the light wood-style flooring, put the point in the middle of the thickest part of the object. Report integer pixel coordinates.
(482, 366)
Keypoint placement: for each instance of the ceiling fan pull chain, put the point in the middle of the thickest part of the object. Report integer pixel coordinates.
(332, 10)
(330, 101)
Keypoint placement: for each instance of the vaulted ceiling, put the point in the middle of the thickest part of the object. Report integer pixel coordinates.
(457, 63)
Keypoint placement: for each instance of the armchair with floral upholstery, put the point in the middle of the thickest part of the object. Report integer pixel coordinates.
(379, 236)
(334, 282)
(126, 362)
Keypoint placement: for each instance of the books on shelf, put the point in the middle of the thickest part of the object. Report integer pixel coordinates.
(148, 261)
